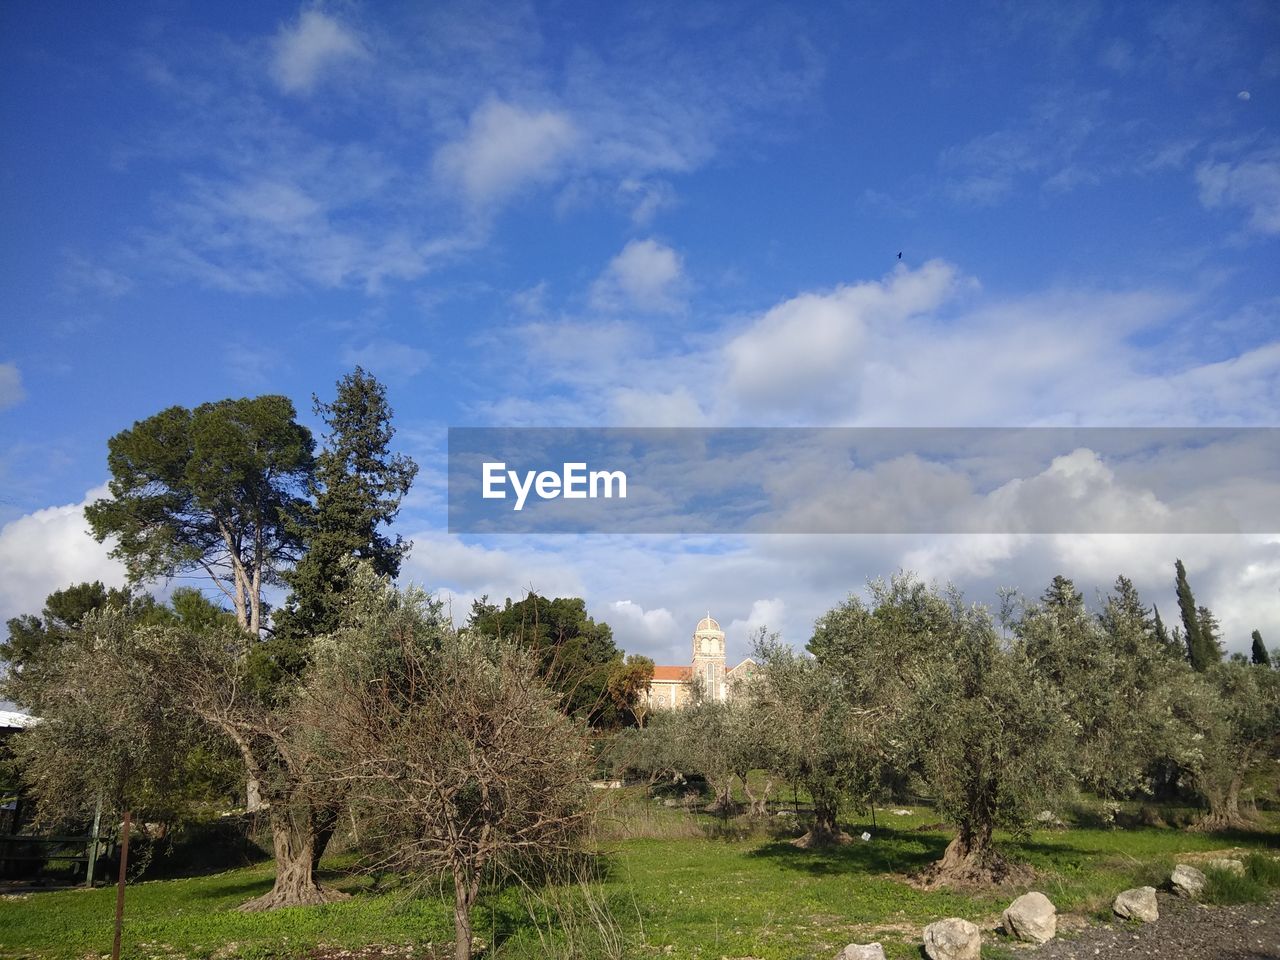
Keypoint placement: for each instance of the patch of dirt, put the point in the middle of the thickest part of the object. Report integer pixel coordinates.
(1185, 931)
(817, 840)
(1005, 875)
(424, 952)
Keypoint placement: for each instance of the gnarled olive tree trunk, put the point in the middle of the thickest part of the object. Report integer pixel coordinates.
(298, 841)
(825, 832)
(1224, 807)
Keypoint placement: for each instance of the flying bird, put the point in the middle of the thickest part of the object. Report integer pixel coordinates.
(899, 254)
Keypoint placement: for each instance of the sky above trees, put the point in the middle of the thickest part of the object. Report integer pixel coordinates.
(576, 214)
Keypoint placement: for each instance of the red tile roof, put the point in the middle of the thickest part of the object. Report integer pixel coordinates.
(671, 673)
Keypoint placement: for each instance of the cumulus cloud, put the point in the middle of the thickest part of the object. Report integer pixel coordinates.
(47, 550)
(505, 148)
(919, 347)
(647, 276)
(309, 46)
(638, 629)
(804, 356)
(11, 390)
(766, 615)
(1251, 183)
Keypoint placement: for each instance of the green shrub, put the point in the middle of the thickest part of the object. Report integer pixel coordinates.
(1227, 886)
(1262, 868)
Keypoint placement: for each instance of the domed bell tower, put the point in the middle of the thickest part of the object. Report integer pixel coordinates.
(708, 658)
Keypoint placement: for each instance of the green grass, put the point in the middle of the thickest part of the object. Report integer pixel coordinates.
(1261, 875)
(676, 885)
(1263, 868)
(197, 917)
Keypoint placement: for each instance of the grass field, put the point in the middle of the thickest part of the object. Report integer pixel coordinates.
(675, 886)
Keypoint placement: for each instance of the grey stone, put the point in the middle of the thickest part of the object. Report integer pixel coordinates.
(1187, 881)
(1137, 904)
(953, 939)
(1032, 917)
(866, 951)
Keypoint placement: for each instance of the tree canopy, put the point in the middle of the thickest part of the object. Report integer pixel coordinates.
(358, 486)
(575, 654)
(216, 489)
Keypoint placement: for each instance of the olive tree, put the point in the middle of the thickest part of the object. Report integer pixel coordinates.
(1115, 680)
(956, 704)
(991, 740)
(107, 732)
(825, 737)
(1233, 713)
(459, 758)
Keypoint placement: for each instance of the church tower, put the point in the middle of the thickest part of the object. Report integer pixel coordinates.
(708, 658)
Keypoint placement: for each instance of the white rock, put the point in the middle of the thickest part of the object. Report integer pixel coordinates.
(953, 939)
(866, 951)
(1227, 866)
(1137, 904)
(1032, 917)
(902, 813)
(1187, 881)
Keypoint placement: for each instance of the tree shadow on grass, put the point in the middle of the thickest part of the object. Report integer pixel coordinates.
(889, 851)
(1244, 837)
(895, 851)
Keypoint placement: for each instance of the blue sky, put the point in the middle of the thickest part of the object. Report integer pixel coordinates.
(683, 214)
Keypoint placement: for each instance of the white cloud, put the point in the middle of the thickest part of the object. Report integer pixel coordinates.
(306, 48)
(504, 149)
(647, 276)
(47, 550)
(919, 347)
(805, 355)
(647, 198)
(638, 629)
(1251, 183)
(11, 389)
(764, 615)
(785, 582)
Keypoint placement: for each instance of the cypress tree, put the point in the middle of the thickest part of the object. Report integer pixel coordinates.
(1260, 656)
(1190, 623)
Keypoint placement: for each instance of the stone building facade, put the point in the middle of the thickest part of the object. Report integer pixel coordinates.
(673, 686)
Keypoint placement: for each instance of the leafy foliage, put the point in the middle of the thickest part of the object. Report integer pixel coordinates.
(358, 487)
(574, 654)
(1258, 655)
(1233, 711)
(216, 489)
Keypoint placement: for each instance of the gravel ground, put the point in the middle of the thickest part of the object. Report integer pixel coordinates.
(1185, 931)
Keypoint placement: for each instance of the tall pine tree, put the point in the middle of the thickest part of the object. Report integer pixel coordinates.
(1260, 656)
(359, 485)
(1124, 615)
